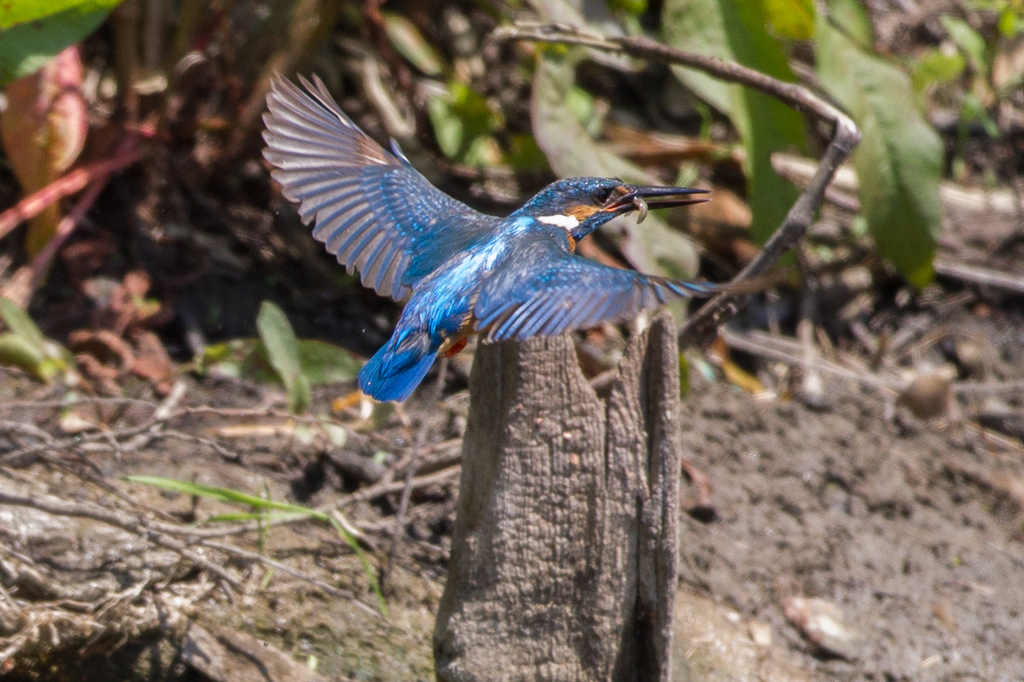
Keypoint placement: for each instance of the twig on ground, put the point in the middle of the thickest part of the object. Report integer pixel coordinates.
(789, 351)
(226, 454)
(389, 487)
(980, 276)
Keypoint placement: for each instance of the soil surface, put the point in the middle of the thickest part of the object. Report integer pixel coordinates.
(911, 531)
(915, 534)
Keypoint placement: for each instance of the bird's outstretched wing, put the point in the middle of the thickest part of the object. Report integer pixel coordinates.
(373, 210)
(564, 292)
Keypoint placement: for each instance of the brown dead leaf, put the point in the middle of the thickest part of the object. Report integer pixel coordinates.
(103, 357)
(152, 361)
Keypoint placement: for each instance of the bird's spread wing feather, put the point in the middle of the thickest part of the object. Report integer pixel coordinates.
(564, 292)
(373, 210)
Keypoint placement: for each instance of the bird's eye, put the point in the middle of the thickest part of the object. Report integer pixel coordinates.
(604, 194)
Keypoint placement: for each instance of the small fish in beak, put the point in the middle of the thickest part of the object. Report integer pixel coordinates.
(641, 209)
(642, 198)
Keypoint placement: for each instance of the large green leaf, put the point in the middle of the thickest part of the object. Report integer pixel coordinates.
(767, 125)
(23, 11)
(899, 158)
(34, 31)
(736, 31)
(697, 26)
(936, 67)
(283, 352)
(851, 17)
(325, 363)
(652, 247)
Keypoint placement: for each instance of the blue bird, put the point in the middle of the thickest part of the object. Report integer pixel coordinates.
(462, 272)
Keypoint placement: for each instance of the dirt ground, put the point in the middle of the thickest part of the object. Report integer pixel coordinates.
(914, 534)
(911, 529)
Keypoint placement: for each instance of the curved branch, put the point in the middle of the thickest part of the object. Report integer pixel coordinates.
(844, 138)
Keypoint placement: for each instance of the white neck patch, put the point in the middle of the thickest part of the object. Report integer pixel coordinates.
(566, 222)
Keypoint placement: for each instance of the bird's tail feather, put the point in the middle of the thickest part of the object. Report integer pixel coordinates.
(395, 371)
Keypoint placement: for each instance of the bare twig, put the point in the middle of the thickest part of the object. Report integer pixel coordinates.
(20, 458)
(979, 275)
(79, 400)
(127, 439)
(388, 487)
(702, 325)
(789, 351)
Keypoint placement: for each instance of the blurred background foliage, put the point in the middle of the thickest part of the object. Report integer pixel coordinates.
(141, 120)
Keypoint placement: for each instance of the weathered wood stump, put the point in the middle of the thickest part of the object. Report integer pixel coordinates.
(563, 562)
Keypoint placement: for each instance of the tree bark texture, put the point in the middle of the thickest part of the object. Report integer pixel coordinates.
(563, 562)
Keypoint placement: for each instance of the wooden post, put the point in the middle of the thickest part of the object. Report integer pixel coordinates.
(563, 562)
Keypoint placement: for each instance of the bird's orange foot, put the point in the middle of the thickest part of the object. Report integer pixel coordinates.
(456, 348)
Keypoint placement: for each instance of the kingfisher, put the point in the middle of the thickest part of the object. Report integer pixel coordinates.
(459, 271)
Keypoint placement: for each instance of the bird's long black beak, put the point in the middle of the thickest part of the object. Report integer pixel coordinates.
(642, 198)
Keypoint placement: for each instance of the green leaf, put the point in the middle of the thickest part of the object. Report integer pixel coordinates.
(697, 26)
(652, 247)
(525, 155)
(282, 348)
(325, 363)
(632, 7)
(23, 11)
(265, 517)
(736, 31)
(767, 125)
(899, 159)
(411, 44)
(582, 105)
(321, 362)
(225, 495)
(1011, 21)
(448, 128)
(33, 32)
(973, 111)
(16, 351)
(790, 18)
(227, 358)
(460, 118)
(19, 322)
(936, 67)
(26, 347)
(851, 18)
(969, 41)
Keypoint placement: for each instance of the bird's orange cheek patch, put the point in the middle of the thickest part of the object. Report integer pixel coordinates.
(582, 212)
